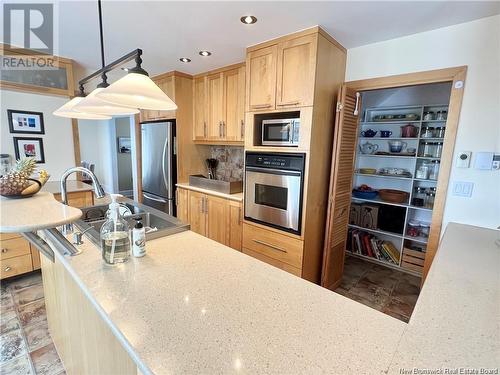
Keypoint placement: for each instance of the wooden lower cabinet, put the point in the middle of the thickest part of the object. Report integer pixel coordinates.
(84, 342)
(78, 198)
(17, 256)
(211, 216)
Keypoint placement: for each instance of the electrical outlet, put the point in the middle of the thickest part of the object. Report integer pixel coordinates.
(463, 189)
(496, 162)
(463, 159)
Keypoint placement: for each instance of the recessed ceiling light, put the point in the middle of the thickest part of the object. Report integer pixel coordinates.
(185, 59)
(248, 19)
(205, 53)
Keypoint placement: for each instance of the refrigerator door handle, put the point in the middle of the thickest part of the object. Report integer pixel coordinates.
(166, 178)
(154, 198)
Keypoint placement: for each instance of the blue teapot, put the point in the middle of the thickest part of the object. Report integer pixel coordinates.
(369, 133)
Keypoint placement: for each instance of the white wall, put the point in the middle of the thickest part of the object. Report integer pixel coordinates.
(97, 138)
(477, 45)
(58, 137)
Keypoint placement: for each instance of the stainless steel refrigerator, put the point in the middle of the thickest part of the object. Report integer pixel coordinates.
(159, 165)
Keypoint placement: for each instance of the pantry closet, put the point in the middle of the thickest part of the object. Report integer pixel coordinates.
(390, 167)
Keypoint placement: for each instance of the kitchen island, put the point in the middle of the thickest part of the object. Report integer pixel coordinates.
(193, 305)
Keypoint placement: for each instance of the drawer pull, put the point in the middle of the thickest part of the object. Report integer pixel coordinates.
(270, 245)
(7, 269)
(289, 103)
(4, 250)
(259, 106)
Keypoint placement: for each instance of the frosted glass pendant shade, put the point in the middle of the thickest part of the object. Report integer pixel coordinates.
(137, 91)
(67, 110)
(92, 104)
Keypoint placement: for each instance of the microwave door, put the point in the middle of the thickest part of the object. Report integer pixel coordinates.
(276, 133)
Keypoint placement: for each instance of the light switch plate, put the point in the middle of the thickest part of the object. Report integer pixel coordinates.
(463, 159)
(463, 189)
(484, 160)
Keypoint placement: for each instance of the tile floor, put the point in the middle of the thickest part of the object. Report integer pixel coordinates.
(390, 291)
(26, 346)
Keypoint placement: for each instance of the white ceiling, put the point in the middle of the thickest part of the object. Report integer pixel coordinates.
(166, 30)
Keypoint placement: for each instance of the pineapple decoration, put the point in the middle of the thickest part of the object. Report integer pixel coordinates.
(18, 183)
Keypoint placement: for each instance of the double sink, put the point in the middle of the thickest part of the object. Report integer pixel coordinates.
(157, 223)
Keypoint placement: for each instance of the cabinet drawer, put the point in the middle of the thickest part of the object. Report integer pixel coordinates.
(274, 245)
(15, 266)
(14, 248)
(8, 236)
(273, 262)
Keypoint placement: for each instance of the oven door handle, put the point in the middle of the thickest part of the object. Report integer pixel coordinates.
(270, 245)
(274, 171)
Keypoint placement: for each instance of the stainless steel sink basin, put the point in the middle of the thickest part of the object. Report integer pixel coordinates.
(227, 187)
(157, 223)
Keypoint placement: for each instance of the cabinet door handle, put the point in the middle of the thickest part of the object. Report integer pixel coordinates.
(296, 102)
(223, 129)
(7, 269)
(4, 250)
(270, 245)
(259, 106)
(205, 129)
(176, 197)
(239, 216)
(242, 129)
(206, 205)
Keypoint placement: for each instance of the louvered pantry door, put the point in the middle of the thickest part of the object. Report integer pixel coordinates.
(343, 156)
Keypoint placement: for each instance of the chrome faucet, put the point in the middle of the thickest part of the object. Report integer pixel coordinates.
(98, 190)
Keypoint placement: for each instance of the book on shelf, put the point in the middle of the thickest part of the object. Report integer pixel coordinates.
(364, 243)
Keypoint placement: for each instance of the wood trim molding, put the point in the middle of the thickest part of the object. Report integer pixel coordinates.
(76, 146)
(6, 49)
(454, 75)
(175, 73)
(222, 69)
(408, 79)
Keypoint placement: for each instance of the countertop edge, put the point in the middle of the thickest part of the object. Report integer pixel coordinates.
(237, 197)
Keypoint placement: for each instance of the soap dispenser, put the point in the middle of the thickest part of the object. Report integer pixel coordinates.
(115, 242)
(138, 239)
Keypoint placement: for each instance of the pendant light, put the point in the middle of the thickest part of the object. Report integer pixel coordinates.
(136, 89)
(91, 103)
(68, 111)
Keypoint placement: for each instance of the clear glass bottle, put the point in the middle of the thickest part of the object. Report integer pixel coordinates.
(429, 200)
(423, 171)
(442, 115)
(427, 132)
(115, 241)
(428, 116)
(439, 132)
(418, 199)
(428, 149)
(438, 149)
(434, 170)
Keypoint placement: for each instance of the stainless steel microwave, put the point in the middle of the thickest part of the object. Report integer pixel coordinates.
(280, 132)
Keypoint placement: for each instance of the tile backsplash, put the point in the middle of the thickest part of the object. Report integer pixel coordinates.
(231, 159)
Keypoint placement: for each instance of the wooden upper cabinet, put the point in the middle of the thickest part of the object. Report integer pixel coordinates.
(168, 87)
(200, 129)
(215, 90)
(261, 78)
(296, 68)
(234, 104)
(167, 84)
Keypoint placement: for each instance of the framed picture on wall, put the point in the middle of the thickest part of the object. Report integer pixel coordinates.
(26, 122)
(29, 148)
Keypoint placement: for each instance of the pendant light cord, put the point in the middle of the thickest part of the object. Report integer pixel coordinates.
(101, 35)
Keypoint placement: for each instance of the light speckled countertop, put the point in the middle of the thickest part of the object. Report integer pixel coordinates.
(235, 197)
(37, 212)
(195, 306)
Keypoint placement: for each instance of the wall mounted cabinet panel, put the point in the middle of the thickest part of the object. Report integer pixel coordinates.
(200, 108)
(261, 78)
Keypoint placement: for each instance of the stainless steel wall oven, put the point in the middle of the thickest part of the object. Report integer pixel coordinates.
(274, 185)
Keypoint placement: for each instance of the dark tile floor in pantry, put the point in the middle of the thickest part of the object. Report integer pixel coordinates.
(391, 291)
(25, 342)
